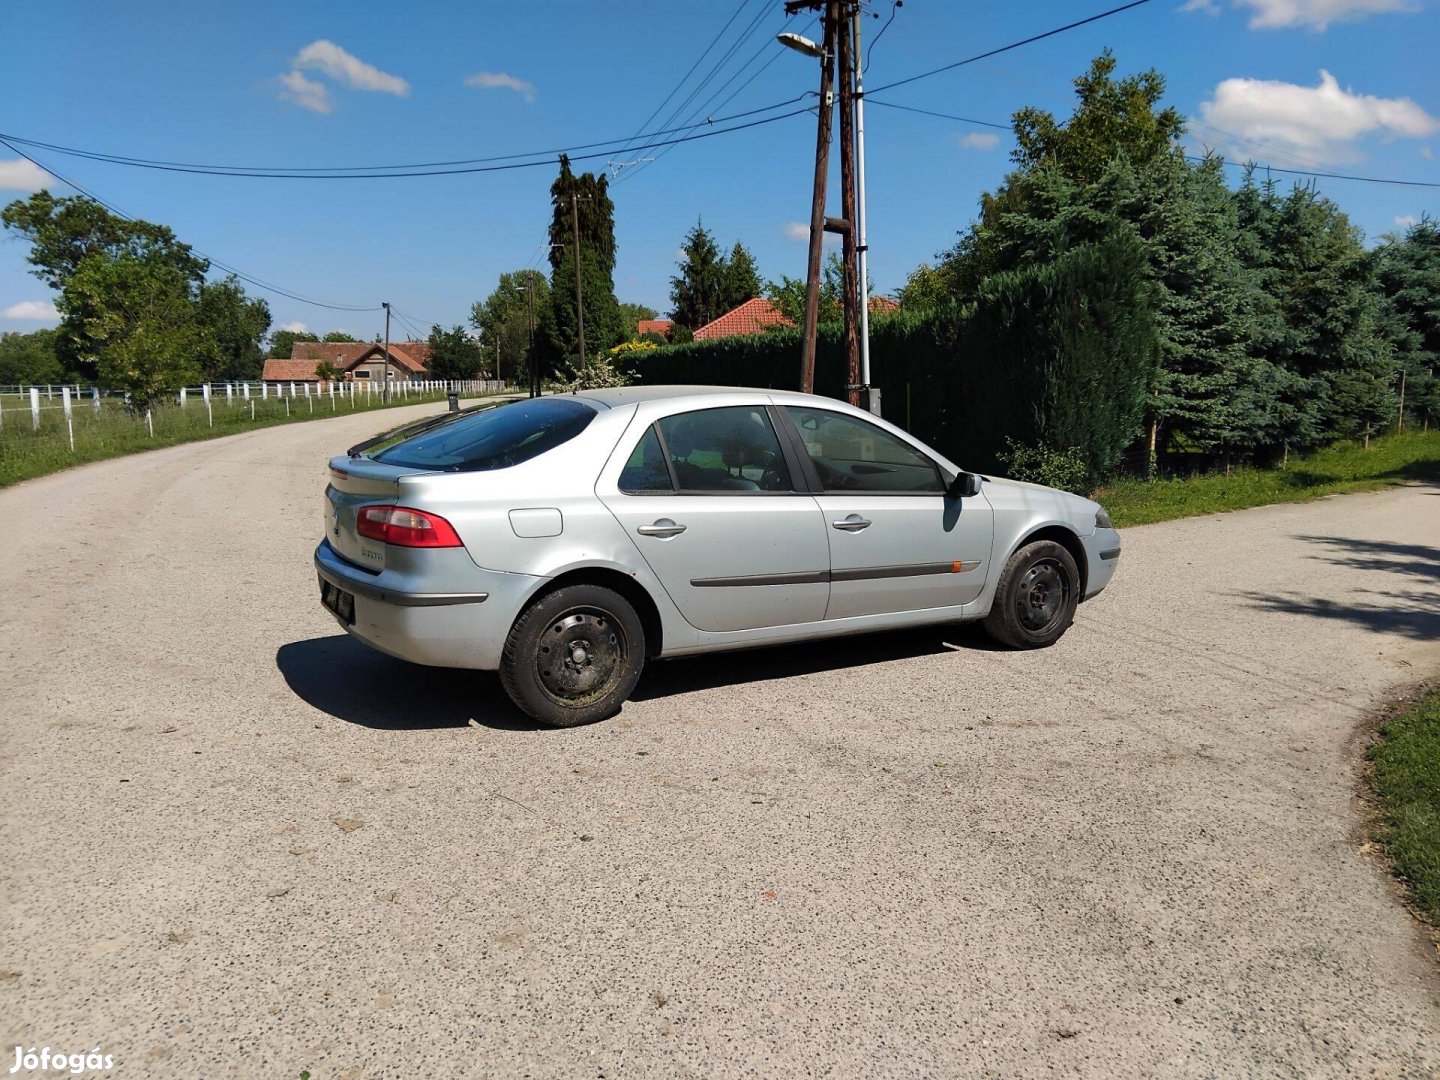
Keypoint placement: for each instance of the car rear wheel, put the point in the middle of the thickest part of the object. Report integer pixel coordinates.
(573, 656)
(1036, 597)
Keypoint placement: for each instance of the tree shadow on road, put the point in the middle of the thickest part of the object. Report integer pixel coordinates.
(351, 682)
(1409, 610)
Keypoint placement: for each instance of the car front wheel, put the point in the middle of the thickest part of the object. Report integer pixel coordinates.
(1036, 597)
(573, 656)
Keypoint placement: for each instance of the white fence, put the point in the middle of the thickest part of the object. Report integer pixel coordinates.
(35, 399)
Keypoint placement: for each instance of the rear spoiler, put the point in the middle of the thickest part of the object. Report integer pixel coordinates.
(415, 428)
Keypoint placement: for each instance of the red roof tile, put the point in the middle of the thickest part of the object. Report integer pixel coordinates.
(278, 369)
(883, 305)
(411, 355)
(751, 317)
(654, 326)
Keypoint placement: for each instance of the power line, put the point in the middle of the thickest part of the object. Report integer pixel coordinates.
(734, 94)
(208, 171)
(1321, 175)
(1188, 157)
(932, 112)
(300, 171)
(1007, 48)
(257, 282)
(675, 89)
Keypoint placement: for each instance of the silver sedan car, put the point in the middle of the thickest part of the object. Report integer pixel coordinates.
(564, 541)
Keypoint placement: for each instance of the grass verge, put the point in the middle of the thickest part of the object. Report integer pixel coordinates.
(26, 453)
(1344, 467)
(1405, 774)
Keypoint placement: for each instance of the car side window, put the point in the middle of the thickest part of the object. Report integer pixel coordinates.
(645, 471)
(731, 449)
(854, 455)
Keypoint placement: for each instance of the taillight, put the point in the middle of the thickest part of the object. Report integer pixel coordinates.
(405, 527)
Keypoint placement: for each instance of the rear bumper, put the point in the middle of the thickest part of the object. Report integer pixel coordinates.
(441, 629)
(1102, 556)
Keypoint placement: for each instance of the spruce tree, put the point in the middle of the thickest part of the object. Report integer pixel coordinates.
(699, 292)
(742, 277)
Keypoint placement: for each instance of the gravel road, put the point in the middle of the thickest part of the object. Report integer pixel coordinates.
(238, 845)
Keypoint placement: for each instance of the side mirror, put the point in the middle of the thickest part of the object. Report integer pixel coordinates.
(964, 486)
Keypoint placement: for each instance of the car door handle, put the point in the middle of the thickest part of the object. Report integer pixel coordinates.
(662, 528)
(851, 523)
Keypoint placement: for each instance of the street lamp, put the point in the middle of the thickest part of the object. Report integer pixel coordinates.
(800, 44)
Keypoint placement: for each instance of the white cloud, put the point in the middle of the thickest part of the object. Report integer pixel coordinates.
(348, 69)
(498, 80)
(1406, 220)
(978, 140)
(1427, 153)
(23, 175)
(32, 311)
(296, 327)
(1316, 14)
(1322, 122)
(307, 93)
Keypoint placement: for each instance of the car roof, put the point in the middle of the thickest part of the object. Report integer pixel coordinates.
(616, 396)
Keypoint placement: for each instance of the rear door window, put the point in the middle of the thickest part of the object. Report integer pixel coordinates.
(731, 450)
(645, 472)
(494, 439)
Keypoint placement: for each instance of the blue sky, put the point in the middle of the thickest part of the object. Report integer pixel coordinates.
(323, 85)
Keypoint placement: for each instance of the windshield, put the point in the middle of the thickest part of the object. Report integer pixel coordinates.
(494, 439)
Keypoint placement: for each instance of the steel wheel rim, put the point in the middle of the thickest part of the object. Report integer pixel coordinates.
(1042, 596)
(580, 656)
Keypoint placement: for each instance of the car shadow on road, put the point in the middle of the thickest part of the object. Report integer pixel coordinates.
(1409, 609)
(711, 670)
(351, 682)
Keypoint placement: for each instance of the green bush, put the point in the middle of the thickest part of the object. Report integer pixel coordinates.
(1063, 469)
(1057, 355)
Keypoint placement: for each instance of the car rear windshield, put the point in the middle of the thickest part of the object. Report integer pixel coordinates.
(493, 439)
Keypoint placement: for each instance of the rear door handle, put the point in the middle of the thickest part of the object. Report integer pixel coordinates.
(851, 523)
(662, 528)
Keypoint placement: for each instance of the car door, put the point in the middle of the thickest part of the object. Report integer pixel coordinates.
(709, 498)
(897, 543)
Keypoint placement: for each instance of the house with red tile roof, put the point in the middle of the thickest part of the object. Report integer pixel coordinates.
(883, 305)
(355, 359)
(752, 317)
(654, 326)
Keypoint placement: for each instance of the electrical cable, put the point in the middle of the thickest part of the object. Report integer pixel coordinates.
(1007, 48)
(257, 282)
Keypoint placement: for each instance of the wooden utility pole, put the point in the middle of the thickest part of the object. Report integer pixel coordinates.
(844, 60)
(386, 391)
(817, 198)
(533, 370)
(579, 295)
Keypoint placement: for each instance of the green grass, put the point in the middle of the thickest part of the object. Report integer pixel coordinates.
(1406, 779)
(1344, 467)
(26, 453)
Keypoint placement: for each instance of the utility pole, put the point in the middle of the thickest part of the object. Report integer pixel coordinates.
(579, 294)
(822, 172)
(386, 391)
(534, 371)
(862, 244)
(845, 61)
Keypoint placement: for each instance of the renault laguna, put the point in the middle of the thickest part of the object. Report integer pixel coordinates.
(564, 541)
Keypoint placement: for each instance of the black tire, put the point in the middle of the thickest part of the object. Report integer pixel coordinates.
(573, 656)
(1036, 598)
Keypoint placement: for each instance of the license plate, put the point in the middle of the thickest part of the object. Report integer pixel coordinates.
(338, 602)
